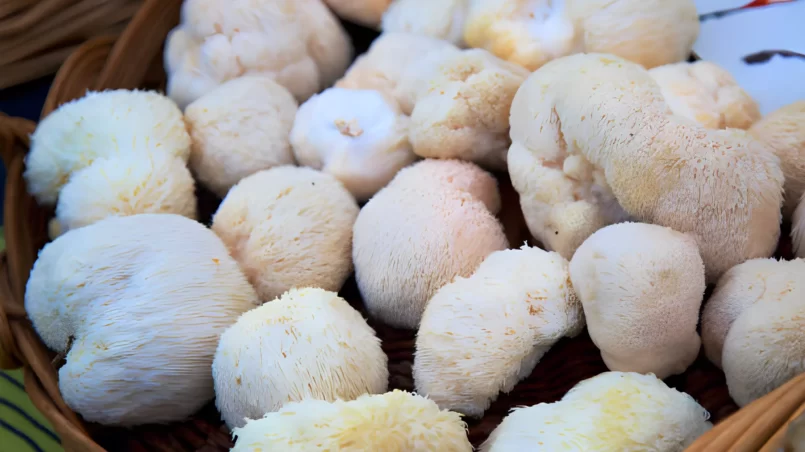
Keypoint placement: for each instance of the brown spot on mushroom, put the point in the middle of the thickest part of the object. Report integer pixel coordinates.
(237, 381)
(349, 128)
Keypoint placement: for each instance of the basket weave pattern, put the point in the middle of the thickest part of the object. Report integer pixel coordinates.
(134, 60)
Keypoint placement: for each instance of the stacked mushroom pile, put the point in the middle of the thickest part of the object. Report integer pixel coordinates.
(642, 177)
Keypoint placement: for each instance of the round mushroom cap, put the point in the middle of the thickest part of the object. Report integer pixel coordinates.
(307, 344)
(101, 124)
(128, 184)
(392, 59)
(138, 303)
(706, 93)
(641, 286)
(752, 326)
(289, 227)
(417, 234)
(599, 126)
(443, 19)
(532, 33)
(784, 131)
(394, 421)
(464, 113)
(363, 12)
(480, 335)
(611, 411)
(299, 43)
(238, 129)
(358, 136)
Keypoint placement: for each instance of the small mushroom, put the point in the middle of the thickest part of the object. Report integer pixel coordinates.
(419, 232)
(752, 326)
(480, 335)
(307, 344)
(238, 129)
(441, 19)
(641, 286)
(358, 136)
(289, 227)
(394, 421)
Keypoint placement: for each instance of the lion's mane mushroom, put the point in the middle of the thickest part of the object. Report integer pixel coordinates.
(784, 131)
(289, 227)
(239, 128)
(481, 335)
(429, 225)
(364, 12)
(533, 32)
(593, 140)
(397, 65)
(137, 304)
(706, 93)
(752, 326)
(441, 19)
(464, 113)
(641, 287)
(358, 136)
(394, 421)
(299, 43)
(612, 411)
(309, 343)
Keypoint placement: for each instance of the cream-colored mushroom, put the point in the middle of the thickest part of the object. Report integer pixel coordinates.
(441, 19)
(464, 113)
(533, 32)
(238, 129)
(706, 93)
(358, 136)
(419, 232)
(480, 335)
(641, 287)
(307, 344)
(289, 227)
(784, 131)
(594, 143)
(753, 326)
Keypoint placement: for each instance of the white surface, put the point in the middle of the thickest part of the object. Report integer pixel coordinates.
(727, 40)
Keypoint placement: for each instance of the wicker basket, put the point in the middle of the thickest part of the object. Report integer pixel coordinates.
(134, 60)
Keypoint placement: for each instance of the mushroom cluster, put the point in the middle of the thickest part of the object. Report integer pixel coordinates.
(361, 197)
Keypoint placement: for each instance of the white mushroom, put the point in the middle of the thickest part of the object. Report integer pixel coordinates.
(137, 304)
(289, 227)
(394, 421)
(358, 136)
(238, 129)
(309, 343)
(419, 232)
(752, 326)
(641, 286)
(441, 19)
(614, 411)
(481, 335)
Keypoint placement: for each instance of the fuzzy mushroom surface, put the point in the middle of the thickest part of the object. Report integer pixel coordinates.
(359, 136)
(752, 326)
(533, 32)
(394, 421)
(480, 335)
(611, 412)
(299, 43)
(594, 143)
(784, 131)
(430, 224)
(706, 93)
(441, 19)
(137, 304)
(289, 227)
(464, 112)
(101, 124)
(239, 128)
(397, 64)
(641, 287)
(309, 343)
